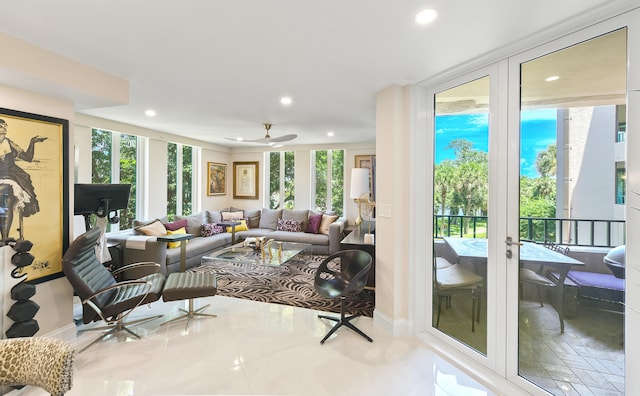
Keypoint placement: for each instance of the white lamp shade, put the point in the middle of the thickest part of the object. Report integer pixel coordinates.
(359, 182)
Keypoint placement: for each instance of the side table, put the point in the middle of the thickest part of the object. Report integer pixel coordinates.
(355, 240)
(182, 238)
(233, 225)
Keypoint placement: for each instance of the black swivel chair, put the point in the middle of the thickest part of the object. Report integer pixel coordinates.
(102, 296)
(339, 275)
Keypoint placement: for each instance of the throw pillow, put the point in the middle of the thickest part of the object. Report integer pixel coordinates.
(194, 222)
(302, 215)
(314, 224)
(172, 245)
(253, 218)
(155, 228)
(210, 229)
(176, 225)
(289, 225)
(240, 227)
(269, 218)
(232, 216)
(214, 216)
(140, 223)
(326, 222)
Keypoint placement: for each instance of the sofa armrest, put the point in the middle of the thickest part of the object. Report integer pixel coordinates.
(336, 234)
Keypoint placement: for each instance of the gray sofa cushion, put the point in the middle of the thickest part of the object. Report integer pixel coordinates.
(301, 237)
(269, 218)
(194, 222)
(253, 218)
(301, 215)
(214, 216)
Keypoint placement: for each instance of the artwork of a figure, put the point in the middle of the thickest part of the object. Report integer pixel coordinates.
(16, 189)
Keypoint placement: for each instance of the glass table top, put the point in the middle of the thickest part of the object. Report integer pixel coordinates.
(278, 254)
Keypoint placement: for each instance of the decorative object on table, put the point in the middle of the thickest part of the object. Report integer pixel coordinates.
(102, 296)
(294, 285)
(216, 178)
(39, 361)
(41, 142)
(359, 189)
(23, 311)
(245, 180)
(341, 275)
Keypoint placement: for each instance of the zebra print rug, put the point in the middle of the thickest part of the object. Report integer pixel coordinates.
(291, 284)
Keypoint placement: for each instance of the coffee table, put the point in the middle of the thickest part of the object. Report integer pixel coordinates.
(242, 254)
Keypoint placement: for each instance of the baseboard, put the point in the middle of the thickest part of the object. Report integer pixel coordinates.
(398, 328)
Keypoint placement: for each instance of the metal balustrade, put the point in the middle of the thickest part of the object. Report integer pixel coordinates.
(574, 232)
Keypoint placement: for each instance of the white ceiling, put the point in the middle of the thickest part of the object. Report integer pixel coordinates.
(216, 68)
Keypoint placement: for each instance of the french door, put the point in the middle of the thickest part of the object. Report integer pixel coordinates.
(529, 159)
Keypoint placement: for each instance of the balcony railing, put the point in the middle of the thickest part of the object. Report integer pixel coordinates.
(575, 232)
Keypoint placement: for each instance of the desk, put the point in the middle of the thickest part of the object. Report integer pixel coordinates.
(182, 238)
(474, 251)
(355, 240)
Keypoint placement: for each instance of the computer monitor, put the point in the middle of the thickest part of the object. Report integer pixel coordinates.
(100, 199)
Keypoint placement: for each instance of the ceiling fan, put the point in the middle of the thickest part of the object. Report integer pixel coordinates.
(267, 139)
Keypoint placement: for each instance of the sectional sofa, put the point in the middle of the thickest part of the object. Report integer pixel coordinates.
(323, 231)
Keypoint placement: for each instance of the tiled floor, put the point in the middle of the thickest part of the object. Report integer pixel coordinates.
(255, 348)
(588, 359)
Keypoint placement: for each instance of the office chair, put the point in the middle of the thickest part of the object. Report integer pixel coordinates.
(103, 297)
(340, 275)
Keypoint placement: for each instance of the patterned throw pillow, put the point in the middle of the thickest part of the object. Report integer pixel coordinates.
(289, 225)
(210, 229)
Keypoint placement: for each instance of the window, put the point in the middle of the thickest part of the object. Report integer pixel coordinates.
(281, 193)
(179, 180)
(328, 180)
(621, 177)
(114, 159)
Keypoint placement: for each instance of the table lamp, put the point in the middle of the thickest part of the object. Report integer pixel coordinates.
(359, 189)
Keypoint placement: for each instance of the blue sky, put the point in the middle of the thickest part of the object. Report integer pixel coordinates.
(537, 133)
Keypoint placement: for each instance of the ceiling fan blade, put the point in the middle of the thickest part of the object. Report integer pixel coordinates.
(284, 138)
(261, 140)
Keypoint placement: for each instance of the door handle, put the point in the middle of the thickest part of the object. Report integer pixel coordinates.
(510, 242)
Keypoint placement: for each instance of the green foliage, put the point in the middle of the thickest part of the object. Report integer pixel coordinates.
(128, 175)
(100, 156)
(172, 179)
(187, 180)
(321, 180)
(337, 181)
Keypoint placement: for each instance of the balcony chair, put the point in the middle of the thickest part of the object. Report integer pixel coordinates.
(39, 361)
(540, 279)
(340, 275)
(102, 296)
(451, 279)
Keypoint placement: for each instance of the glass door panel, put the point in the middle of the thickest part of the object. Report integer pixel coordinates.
(572, 218)
(460, 188)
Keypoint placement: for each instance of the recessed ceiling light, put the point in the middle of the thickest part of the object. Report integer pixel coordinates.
(330, 133)
(150, 113)
(551, 78)
(286, 101)
(427, 16)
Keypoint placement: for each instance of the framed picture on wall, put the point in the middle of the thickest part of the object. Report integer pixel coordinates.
(34, 189)
(369, 162)
(245, 180)
(216, 178)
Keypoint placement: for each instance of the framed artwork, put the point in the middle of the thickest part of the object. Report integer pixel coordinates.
(369, 162)
(245, 180)
(216, 178)
(34, 189)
